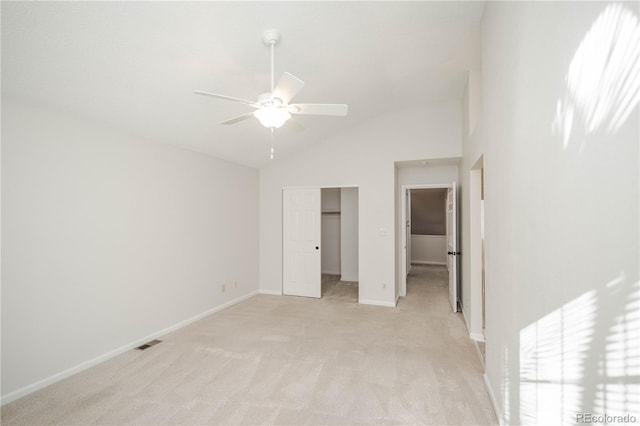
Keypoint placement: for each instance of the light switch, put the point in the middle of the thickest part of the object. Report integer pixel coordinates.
(382, 232)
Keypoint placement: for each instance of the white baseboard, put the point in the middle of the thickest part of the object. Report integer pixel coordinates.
(473, 336)
(17, 394)
(466, 323)
(494, 401)
(376, 303)
(331, 272)
(477, 336)
(271, 292)
(426, 262)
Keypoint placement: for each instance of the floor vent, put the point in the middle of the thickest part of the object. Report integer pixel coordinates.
(148, 345)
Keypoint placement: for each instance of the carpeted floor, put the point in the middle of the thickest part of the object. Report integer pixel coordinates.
(287, 360)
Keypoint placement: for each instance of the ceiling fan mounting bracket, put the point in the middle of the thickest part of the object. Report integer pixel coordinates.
(271, 37)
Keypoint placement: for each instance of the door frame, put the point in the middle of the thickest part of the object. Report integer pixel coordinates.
(403, 233)
(320, 187)
(477, 259)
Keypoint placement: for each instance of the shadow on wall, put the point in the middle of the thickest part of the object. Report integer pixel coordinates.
(603, 80)
(584, 357)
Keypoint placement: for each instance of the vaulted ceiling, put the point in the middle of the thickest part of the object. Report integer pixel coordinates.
(134, 65)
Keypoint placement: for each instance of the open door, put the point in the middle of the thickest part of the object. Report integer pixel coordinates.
(407, 240)
(452, 262)
(301, 242)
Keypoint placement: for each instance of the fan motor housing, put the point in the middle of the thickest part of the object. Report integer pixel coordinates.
(267, 99)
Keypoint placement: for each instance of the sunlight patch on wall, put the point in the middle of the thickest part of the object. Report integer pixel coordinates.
(583, 357)
(506, 385)
(552, 351)
(619, 365)
(603, 80)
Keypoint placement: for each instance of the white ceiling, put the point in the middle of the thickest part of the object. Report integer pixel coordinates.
(134, 65)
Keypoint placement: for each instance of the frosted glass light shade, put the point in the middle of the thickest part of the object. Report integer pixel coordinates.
(272, 117)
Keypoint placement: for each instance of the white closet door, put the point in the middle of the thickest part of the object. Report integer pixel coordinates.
(301, 242)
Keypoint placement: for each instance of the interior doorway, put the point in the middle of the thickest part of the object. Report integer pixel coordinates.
(429, 218)
(320, 242)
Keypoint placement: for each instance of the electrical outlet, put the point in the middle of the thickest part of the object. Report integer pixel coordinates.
(224, 287)
(384, 286)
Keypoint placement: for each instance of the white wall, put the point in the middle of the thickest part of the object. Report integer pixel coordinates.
(561, 210)
(429, 249)
(349, 234)
(107, 239)
(364, 156)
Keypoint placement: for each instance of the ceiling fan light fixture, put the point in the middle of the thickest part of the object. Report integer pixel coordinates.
(272, 117)
(273, 108)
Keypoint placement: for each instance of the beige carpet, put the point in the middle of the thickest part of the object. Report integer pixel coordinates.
(287, 360)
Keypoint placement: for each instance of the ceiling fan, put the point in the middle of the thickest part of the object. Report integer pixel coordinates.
(273, 109)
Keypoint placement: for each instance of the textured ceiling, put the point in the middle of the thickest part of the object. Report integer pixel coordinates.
(134, 65)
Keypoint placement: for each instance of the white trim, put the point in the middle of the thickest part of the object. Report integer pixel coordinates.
(320, 186)
(403, 232)
(474, 258)
(477, 337)
(494, 401)
(271, 292)
(466, 323)
(481, 357)
(26, 390)
(376, 303)
(426, 262)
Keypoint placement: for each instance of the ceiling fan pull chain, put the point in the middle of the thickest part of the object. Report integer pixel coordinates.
(272, 130)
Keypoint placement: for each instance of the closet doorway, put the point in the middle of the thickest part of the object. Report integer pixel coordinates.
(339, 242)
(320, 242)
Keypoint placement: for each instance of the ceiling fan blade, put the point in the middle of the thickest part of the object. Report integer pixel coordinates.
(238, 118)
(319, 109)
(288, 86)
(227, 98)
